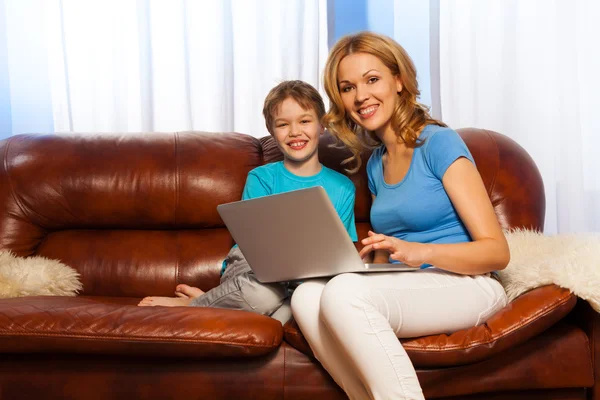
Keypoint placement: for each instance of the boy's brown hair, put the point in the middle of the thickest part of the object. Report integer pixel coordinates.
(304, 94)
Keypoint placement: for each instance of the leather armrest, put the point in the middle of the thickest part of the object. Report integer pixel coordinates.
(88, 325)
(585, 317)
(527, 316)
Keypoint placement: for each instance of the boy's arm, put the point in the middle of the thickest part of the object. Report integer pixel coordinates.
(255, 187)
(346, 213)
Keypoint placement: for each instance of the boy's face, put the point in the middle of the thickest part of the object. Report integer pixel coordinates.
(296, 131)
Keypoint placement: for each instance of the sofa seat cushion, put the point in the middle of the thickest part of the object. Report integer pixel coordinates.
(101, 325)
(527, 316)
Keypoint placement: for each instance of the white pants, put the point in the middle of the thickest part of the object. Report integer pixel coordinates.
(353, 321)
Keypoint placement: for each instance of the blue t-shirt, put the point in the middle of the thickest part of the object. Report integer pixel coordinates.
(274, 178)
(418, 209)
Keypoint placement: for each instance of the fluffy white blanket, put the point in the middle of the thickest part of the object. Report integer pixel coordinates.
(36, 276)
(571, 261)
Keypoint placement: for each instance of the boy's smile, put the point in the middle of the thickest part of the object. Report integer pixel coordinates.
(297, 132)
(298, 144)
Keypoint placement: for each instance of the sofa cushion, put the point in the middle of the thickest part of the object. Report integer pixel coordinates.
(524, 318)
(98, 325)
(139, 263)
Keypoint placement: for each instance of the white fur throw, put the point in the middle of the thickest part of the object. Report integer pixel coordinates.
(36, 276)
(571, 261)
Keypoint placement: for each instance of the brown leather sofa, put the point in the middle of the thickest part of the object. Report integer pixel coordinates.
(136, 215)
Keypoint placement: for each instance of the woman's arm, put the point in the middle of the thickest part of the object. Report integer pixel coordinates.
(489, 250)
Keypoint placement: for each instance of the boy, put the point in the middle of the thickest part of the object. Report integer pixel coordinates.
(293, 111)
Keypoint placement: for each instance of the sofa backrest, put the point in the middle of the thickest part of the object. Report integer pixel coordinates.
(136, 214)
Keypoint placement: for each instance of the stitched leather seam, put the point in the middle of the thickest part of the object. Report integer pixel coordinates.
(542, 312)
(177, 200)
(138, 338)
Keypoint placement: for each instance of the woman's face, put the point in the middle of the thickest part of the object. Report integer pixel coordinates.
(369, 91)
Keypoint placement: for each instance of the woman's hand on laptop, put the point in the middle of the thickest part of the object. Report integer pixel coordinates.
(412, 254)
(377, 257)
(368, 259)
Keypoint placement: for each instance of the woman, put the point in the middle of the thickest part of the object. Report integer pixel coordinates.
(430, 210)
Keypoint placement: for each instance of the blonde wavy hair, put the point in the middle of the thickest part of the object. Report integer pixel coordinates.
(409, 116)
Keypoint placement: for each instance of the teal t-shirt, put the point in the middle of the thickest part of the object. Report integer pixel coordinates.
(418, 209)
(274, 178)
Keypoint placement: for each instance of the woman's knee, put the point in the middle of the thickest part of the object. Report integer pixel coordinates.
(306, 297)
(341, 291)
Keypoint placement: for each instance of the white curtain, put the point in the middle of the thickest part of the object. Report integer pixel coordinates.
(529, 69)
(168, 65)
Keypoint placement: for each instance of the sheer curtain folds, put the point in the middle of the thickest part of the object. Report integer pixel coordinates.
(529, 69)
(158, 65)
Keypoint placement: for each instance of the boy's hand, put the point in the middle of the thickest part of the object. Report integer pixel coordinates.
(412, 254)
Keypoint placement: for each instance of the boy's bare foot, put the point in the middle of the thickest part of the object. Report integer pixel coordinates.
(184, 294)
(187, 291)
(152, 301)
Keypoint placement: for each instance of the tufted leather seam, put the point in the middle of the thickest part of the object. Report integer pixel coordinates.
(8, 178)
(140, 338)
(177, 200)
(542, 312)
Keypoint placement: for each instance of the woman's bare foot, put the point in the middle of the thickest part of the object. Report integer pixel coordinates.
(188, 292)
(152, 301)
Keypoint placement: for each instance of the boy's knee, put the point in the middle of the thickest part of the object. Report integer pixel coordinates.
(263, 298)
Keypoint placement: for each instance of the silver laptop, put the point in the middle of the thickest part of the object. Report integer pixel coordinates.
(295, 235)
